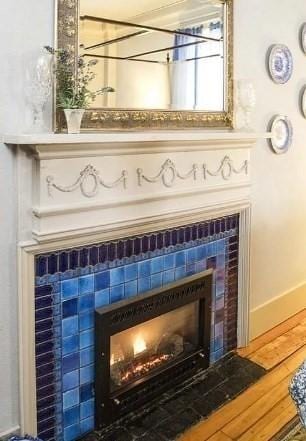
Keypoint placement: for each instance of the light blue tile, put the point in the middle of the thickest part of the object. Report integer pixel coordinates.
(168, 277)
(180, 273)
(70, 288)
(156, 280)
(70, 344)
(71, 416)
(87, 374)
(86, 339)
(169, 261)
(86, 302)
(191, 256)
(180, 259)
(102, 280)
(131, 289)
(201, 252)
(70, 380)
(102, 298)
(116, 293)
(86, 284)
(144, 269)
(117, 276)
(218, 343)
(87, 409)
(144, 284)
(201, 266)
(87, 356)
(87, 320)
(70, 326)
(221, 246)
(70, 398)
(157, 265)
(87, 425)
(130, 272)
(71, 433)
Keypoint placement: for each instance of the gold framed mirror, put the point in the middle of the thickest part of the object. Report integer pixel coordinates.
(169, 61)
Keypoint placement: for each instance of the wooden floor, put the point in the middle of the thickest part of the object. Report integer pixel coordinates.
(262, 410)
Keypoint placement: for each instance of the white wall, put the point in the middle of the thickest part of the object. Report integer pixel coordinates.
(278, 246)
(25, 26)
(279, 192)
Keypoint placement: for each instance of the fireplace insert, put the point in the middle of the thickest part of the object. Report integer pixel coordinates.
(150, 343)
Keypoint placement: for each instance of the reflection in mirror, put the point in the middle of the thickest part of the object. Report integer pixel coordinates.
(156, 54)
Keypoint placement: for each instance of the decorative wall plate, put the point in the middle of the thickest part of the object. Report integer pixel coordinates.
(303, 37)
(280, 63)
(282, 133)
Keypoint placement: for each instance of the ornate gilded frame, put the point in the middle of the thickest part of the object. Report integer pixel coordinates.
(95, 119)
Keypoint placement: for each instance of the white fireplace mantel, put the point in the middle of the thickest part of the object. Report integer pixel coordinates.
(92, 182)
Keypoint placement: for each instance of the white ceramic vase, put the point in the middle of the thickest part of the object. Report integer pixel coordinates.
(74, 119)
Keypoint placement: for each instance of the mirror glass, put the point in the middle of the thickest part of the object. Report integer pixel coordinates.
(156, 54)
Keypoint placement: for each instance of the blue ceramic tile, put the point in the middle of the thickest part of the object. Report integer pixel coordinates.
(157, 265)
(190, 269)
(87, 409)
(180, 258)
(70, 288)
(71, 362)
(117, 276)
(102, 298)
(86, 339)
(87, 374)
(87, 356)
(116, 293)
(144, 269)
(168, 277)
(87, 320)
(156, 280)
(131, 289)
(180, 273)
(70, 307)
(86, 392)
(71, 416)
(41, 265)
(102, 280)
(191, 256)
(86, 302)
(70, 344)
(144, 284)
(63, 262)
(70, 398)
(70, 380)
(201, 266)
(201, 252)
(72, 432)
(130, 272)
(86, 284)
(169, 261)
(87, 425)
(70, 326)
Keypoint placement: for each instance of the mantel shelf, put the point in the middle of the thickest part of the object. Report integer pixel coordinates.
(108, 137)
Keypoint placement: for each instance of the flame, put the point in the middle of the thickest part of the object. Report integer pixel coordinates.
(139, 345)
(112, 360)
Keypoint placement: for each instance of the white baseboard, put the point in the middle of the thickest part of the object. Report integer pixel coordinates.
(10, 432)
(276, 311)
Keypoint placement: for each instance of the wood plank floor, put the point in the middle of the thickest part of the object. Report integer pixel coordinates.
(262, 410)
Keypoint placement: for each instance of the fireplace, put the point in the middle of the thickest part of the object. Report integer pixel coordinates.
(147, 344)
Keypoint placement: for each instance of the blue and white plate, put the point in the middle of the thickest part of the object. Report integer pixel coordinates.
(282, 133)
(280, 63)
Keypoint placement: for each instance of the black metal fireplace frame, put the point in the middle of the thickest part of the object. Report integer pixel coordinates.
(125, 314)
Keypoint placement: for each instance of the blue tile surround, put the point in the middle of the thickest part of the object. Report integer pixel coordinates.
(70, 284)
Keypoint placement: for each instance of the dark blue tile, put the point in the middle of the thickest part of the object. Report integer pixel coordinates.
(144, 268)
(160, 241)
(44, 325)
(43, 348)
(87, 425)
(152, 243)
(45, 392)
(45, 336)
(87, 339)
(137, 246)
(130, 272)
(102, 280)
(167, 238)
(120, 250)
(187, 234)
(86, 302)
(73, 259)
(71, 433)
(93, 256)
(45, 403)
(45, 369)
(86, 320)
(129, 247)
(180, 258)
(70, 344)
(44, 359)
(63, 261)
(71, 416)
(41, 266)
(46, 425)
(191, 269)
(47, 435)
(45, 414)
(70, 380)
(42, 291)
(103, 253)
(87, 409)
(43, 314)
(130, 289)
(174, 237)
(194, 232)
(44, 381)
(71, 398)
(70, 307)
(86, 284)
(70, 288)
(144, 284)
(102, 298)
(116, 293)
(71, 362)
(43, 302)
(84, 257)
(145, 244)
(70, 326)
(111, 251)
(52, 264)
(86, 392)
(117, 276)
(87, 356)
(157, 264)
(181, 235)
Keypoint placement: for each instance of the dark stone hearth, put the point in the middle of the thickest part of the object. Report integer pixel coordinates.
(176, 411)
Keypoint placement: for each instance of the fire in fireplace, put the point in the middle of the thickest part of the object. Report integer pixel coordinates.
(147, 344)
